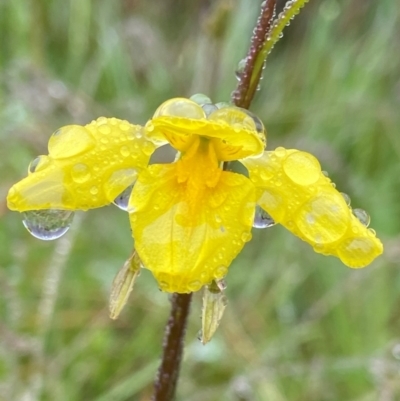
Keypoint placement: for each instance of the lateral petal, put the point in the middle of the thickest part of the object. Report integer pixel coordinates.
(294, 191)
(187, 242)
(87, 167)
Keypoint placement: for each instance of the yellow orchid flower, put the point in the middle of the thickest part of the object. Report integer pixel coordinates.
(190, 218)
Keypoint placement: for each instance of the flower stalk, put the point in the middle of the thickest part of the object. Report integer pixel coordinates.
(168, 372)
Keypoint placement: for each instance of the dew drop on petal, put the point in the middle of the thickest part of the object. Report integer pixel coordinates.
(122, 200)
(47, 224)
(302, 168)
(124, 150)
(222, 105)
(259, 126)
(220, 272)
(262, 219)
(246, 236)
(200, 99)
(346, 198)
(363, 216)
(80, 173)
(38, 164)
(209, 108)
(70, 141)
(194, 285)
(280, 152)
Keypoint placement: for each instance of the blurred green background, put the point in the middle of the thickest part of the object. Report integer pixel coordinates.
(299, 326)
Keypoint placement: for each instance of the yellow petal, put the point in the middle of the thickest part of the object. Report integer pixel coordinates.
(295, 192)
(189, 237)
(235, 132)
(87, 167)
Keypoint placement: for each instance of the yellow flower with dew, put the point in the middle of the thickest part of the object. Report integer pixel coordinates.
(190, 218)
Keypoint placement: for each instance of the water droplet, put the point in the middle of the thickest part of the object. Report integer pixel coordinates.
(47, 224)
(80, 173)
(240, 68)
(221, 284)
(262, 219)
(70, 141)
(124, 126)
(148, 148)
(246, 236)
(220, 272)
(180, 107)
(200, 99)
(38, 164)
(163, 285)
(325, 173)
(222, 105)
(346, 198)
(104, 129)
(302, 168)
(209, 108)
(124, 151)
(363, 216)
(257, 122)
(122, 200)
(194, 285)
(280, 152)
(94, 190)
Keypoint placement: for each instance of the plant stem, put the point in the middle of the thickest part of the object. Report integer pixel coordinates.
(247, 85)
(168, 372)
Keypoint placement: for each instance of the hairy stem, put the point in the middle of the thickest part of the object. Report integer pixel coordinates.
(248, 78)
(168, 372)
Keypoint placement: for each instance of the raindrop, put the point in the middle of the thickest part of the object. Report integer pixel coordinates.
(240, 68)
(209, 108)
(48, 224)
(124, 150)
(80, 173)
(221, 284)
(122, 200)
(221, 105)
(34, 164)
(38, 164)
(363, 216)
(325, 173)
(257, 122)
(200, 99)
(262, 219)
(346, 198)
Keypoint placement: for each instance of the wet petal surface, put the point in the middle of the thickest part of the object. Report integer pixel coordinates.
(295, 192)
(186, 238)
(87, 167)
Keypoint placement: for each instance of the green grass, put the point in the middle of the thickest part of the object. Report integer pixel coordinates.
(299, 326)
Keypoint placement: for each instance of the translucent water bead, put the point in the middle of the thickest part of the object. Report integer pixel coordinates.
(48, 224)
(262, 219)
(363, 216)
(122, 200)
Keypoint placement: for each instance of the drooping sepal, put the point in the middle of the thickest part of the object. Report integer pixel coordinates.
(87, 167)
(214, 304)
(295, 192)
